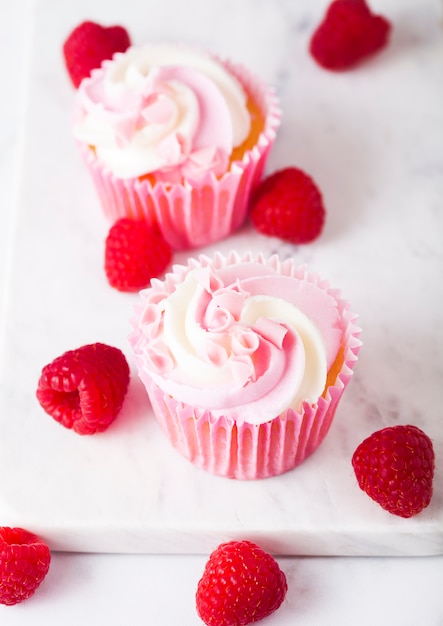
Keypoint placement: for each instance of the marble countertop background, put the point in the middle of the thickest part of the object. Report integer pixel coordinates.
(137, 589)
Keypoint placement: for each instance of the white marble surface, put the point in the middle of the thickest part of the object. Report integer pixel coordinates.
(133, 590)
(322, 590)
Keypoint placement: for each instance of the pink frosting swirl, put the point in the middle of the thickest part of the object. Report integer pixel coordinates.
(244, 340)
(168, 119)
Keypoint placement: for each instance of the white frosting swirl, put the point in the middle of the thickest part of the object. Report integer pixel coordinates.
(244, 341)
(163, 109)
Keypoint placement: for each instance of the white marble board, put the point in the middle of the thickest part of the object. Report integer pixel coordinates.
(373, 141)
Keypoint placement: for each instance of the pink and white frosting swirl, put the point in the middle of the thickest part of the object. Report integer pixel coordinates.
(243, 340)
(162, 109)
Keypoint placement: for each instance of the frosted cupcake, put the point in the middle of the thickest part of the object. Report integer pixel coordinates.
(177, 137)
(244, 360)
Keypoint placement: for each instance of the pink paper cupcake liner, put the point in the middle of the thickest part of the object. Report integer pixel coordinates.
(201, 211)
(221, 445)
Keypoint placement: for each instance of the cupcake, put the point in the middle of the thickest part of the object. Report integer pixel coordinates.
(244, 359)
(177, 137)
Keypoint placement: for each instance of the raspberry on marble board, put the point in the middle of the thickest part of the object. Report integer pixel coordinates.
(348, 34)
(84, 389)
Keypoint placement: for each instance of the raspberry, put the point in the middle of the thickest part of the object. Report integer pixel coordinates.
(241, 584)
(88, 45)
(84, 389)
(348, 34)
(395, 467)
(24, 563)
(288, 205)
(134, 254)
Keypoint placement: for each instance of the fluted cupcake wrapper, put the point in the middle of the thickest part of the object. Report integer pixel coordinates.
(243, 451)
(224, 446)
(200, 211)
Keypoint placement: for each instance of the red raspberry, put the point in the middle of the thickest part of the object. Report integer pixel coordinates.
(84, 389)
(288, 205)
(24, 562)
(88, 45)
(349, 33)
(134, 254)
(395, 467)
(241, 584)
